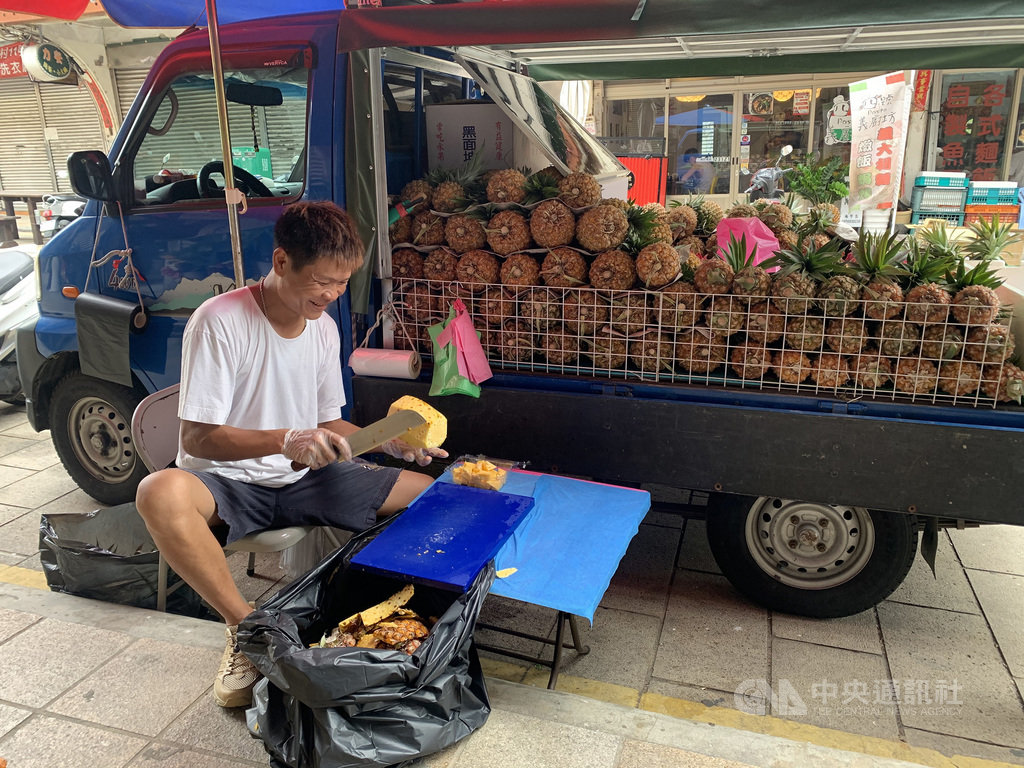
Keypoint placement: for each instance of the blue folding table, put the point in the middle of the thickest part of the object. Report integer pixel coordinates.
(565, 546)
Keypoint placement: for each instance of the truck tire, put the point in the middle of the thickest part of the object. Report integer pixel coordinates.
(808, 558)
(90, 423)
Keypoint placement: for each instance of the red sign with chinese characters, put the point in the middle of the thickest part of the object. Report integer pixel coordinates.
(973, 128)
(10, 61)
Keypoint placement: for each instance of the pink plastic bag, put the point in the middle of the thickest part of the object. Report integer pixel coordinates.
(469, 352)
(760, 240)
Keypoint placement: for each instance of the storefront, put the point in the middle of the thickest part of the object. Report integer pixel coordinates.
(718, 131)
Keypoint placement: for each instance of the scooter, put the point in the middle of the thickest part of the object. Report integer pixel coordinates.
(17, 305)
(58, 211)
(767, 181)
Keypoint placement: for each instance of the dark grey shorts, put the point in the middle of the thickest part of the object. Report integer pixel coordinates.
(343, 495)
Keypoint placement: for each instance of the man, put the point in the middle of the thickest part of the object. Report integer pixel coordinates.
(261, 393)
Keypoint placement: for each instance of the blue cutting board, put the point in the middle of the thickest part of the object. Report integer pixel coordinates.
(446, 536)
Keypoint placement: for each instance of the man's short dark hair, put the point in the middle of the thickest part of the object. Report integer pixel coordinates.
(312, 231)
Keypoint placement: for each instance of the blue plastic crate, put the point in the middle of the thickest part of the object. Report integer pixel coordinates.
(992, 195)
(951, 217)
(938, 179)
(938, 198)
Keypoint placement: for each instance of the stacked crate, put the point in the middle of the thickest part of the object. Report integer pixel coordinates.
(992, 199)
(939, 195)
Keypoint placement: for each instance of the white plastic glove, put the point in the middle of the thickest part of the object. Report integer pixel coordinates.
(400, 449)
(315, 448)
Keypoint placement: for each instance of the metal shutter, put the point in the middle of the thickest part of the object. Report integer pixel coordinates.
(24, 161)
(72, 123)
(127, 82)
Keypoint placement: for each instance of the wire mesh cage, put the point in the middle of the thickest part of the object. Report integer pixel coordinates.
(923, 350)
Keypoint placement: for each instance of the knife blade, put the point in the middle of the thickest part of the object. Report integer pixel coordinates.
(379, 432)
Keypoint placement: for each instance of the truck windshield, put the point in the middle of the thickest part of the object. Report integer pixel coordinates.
(267, 120)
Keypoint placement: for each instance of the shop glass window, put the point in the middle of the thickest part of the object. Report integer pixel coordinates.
(773, 119)
(1017, 156)
(699, 144)
(973, 116)
(833, 127)
(267, 119)
(643, 118)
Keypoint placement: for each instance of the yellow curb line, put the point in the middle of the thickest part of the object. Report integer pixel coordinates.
(24, 577)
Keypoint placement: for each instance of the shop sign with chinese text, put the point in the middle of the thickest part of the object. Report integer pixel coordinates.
(10, 61)
(46, 62)
(880, 108)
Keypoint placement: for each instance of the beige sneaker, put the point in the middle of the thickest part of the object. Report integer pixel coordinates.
(236, 676)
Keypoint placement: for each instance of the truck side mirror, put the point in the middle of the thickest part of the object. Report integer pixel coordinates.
(90, 176)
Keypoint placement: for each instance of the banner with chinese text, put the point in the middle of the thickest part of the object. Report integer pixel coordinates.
(880, 108)
(10, 61)
(974, 119)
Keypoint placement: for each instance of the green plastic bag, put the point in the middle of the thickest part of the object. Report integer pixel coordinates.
(447, 380)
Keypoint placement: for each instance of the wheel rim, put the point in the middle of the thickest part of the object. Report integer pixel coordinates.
(102, 440)
(807, 545)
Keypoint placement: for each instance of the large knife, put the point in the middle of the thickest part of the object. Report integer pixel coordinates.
(378, 433)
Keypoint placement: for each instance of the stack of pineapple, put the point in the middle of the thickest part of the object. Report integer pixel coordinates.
(559, 279)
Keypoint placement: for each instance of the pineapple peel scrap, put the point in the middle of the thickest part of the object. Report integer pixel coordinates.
(480, 474)
(432, 433)
(379, 612)
(504, 573)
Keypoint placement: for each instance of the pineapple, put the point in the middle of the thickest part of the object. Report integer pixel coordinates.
(688, 262)
(1004, 383)
(927, 304)
(777, 217)
(870, 370)
(991, 343)
(419, 304)
(661, 230)
(941, 342)
(406, 264)
(477, 269)
(915, 376)
(601, 228)
(440, 264)
(725, 314)
(618, 202)
(698, 350)
(788, 240)
(451, 184)
(517, 342)
(714, 275)
(795, 284)
(750, 361)
(765, 324)
(846, 335)
(628, 312)
(791, 366)
(506, 186)
(693, 245)
(709, 213)
(741, 210)
(839, 295)
(682, 219)
(711, 246)
(464, 233)
(677, 306)
(552, 224)
(959, 377)
(542, 185)
(989, 239)
(497, 305)
(520, 269)
(401, 230)
(614, 270)
(879, 259)
(657, 265)
(414, 189)
(507, 232)
(750, 282)
(607, 352)
(584, 311)
(579, 190)
(427, 229)
(806, 333)
(559, 347)
(541, 307)
(899, 339)
(830, 370)
(564, 268)
(975, 301)
(430, 434)
(653, 352)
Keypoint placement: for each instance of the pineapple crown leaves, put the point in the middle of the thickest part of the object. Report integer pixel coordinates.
(460, 174)
(540, 186)
(736, 253)
(641, 232)
(938, 242)
(879, 256)
(820, 181)
(925, 265)
(979, 274)
(818, 263)
(816, 221)
(989, 239)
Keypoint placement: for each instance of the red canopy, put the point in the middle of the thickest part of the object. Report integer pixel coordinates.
(58, 9)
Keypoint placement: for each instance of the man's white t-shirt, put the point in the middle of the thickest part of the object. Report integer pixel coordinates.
(236, 370)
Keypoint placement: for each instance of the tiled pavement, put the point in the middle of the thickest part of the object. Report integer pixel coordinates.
(671, 645)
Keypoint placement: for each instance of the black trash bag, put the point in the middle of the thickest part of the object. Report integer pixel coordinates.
(108, 555)
(342, 707)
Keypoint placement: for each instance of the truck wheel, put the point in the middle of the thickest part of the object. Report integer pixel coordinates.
(90, 423)
(807, 558)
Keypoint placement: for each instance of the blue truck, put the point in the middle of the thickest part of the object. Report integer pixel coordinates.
(816, 501)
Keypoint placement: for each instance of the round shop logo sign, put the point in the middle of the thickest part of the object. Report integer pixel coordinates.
(46, 62)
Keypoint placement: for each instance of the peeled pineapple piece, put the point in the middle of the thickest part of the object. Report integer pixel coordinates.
(429, 435)
(480, 474)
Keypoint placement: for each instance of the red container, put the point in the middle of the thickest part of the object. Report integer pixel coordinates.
(649, 177)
